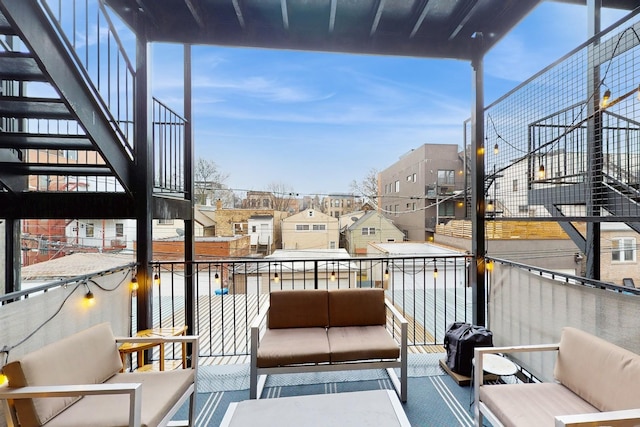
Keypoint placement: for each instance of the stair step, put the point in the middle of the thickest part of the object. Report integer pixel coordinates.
(44, 141)
(55, 169)
(21, 67)
(33, 108)
(5, 27)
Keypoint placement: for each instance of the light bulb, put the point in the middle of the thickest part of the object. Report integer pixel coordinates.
(605, 99)
(276, 278)
(495, 148)
(435, 272)
(134, 283)
(156, 279)
(386, 274)
(541, 172)
(217, 278)
(333, 276)
(89, 298)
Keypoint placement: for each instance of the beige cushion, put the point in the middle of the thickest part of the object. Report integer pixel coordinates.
(160, 391)
(356, 307)
(532, 405)
(361, 342)
(87, 357)
(291, 346)
(601, 373)
(298, 309)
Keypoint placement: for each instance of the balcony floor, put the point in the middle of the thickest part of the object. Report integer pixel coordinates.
(435, 399)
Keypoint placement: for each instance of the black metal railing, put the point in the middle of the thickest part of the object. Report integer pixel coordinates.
(168, 149)
(431, 292)
(94, 44)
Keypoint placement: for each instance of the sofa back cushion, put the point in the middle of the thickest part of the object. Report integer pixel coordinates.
(87, 357)
(298, 309)
(598, 371)
(357, 307)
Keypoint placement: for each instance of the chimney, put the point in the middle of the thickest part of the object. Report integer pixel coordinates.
(218, 205)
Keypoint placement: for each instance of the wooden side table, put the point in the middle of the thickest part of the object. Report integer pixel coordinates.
(139, 348)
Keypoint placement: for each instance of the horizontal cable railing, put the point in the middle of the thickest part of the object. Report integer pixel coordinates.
(431, 292)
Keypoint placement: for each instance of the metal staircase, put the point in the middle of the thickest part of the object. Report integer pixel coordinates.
(59, 143)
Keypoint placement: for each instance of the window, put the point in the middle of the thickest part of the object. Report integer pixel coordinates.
(239, 227)
(336, 203)
(623, 249)
(446, 177)
(415, 177)
(396, 209)
(254, 228)
(515, 185)
(319, 227)
(332, 245)
(446, 209)
(119, 229)
(302, 227)
(368, 231)
(265, 203)
(397, 186)
(165, 222)
(90, 230)
(409, 178)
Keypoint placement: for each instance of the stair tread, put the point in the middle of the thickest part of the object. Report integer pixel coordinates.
(34, 108)
(20, 66)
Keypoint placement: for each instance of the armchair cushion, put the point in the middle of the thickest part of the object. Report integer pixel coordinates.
(279, 347)
(585, 376)
(63, 362)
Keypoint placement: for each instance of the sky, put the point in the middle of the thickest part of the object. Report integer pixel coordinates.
(314, 122)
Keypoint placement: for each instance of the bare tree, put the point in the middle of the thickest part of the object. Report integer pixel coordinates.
(368, 187)
(283, 196)
(209, 183)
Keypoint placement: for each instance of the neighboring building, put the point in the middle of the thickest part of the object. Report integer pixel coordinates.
(259, 200)
(535, 243)
(370, 227)
(206, 248)
(336, 205)
(619, 254)
(313, 268)
(422, 189)
(451, 272)
(262, 234)
(310, 229)
(235, 222)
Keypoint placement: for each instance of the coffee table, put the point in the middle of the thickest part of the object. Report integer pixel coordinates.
(380, 408)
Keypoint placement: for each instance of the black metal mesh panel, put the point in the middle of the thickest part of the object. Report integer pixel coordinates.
(566, 143)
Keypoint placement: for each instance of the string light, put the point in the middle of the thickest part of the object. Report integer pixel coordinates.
(216, 277)
(276, 278)
(134, 283)
(88, 297)
(541, 172)
(605, 99)
(495, 148)
(435, 272)
(156, 279)
(386, 273)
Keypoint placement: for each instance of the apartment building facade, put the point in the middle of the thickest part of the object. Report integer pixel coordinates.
(310, 229)
(336, 205)
(422, 189)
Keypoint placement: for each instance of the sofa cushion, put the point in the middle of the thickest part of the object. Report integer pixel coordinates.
(600, 372)
(291, 346)
(356, 307)
(160, 392)
(298, 309)
(87, 357)
(533, 404)
(361, 342)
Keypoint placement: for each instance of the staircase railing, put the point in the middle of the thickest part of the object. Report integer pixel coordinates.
(93, 43)
(168, 149)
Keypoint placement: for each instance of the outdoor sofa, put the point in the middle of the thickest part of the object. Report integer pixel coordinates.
(328, 330)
